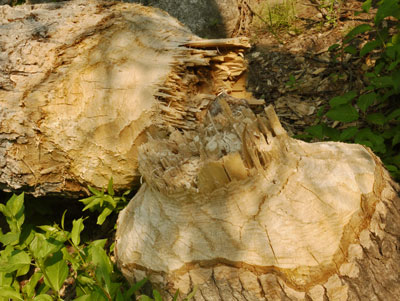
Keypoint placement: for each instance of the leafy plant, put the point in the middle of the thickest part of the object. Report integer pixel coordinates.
(35, 263)
(371, 116)
(106, 203)
(45, 262)
(330, 10)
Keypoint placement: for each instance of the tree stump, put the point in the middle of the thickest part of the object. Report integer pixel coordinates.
(238, 209)
(81, 81)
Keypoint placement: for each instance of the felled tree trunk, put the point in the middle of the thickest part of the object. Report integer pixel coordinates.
(238, 209)
(81, 81)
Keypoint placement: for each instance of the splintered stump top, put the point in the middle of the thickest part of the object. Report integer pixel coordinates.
(238, 208)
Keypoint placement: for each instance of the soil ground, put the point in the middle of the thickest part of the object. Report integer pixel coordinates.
(290, 65)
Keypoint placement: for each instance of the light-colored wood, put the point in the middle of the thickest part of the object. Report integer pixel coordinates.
(81, 81)
(239, 209)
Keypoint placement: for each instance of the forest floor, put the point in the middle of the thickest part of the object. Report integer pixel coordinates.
(290, 65)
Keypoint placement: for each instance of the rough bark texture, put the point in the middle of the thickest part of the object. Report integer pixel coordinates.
(81, 81)
(205, 18)
(242, 211)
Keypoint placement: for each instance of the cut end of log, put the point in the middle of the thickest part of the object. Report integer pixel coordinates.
(83, 80)
(235, 200)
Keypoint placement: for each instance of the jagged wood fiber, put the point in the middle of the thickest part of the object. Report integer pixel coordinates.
(81, 81)
(242, 211)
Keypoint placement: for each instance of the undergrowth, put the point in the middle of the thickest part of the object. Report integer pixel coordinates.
(371, 116)
(49, 262)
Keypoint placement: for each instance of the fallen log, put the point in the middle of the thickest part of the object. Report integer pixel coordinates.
(238, 209)
(81, 81)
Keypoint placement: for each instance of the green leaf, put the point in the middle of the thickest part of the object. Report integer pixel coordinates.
(382, 81)
(26, 236)
(316, 131)
(344, 99)
(369, 138)
(391, 168)
(48, 229)
(145, 298)
(126, 193)
(63, 219)
(84, 280)
(99, 243)
(29, 288)
(176, 296)
(9, 238)
(120, 297)
(157, 296)
(6, 279)
(366, 100)
(85, 298)
(356, 31)
(368, 47)
(366, 5)
(350, 49)
(9, 292)
(110, 200)
(14, 212)
(95, 191)
(57, 271)
(393, 115)
(102, 217)
(23, 270)
(343, 113)
(43, 297)
(110, 189)
(387, 8)
(396, 81)
(393, 65)
(42, 289)
(333, 47)
(16, 204)
(17, 259)
(191, 295)
(42, 247)
(96, 201)
(332, 133)
(396, 139)
(77, 228)
(103, 266)
(377, 69)
(88, 200)
(376, 118)
(137, 286)
(348, 133)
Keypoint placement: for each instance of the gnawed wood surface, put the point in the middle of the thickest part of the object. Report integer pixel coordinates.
(242, 211)
(81, 81)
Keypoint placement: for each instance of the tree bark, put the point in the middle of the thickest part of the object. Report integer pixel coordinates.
(238, 209)
(81, 82)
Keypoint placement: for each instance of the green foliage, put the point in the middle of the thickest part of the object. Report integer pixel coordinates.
(371, 116)
(47, 256)
(106, 203)
(39, 264)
